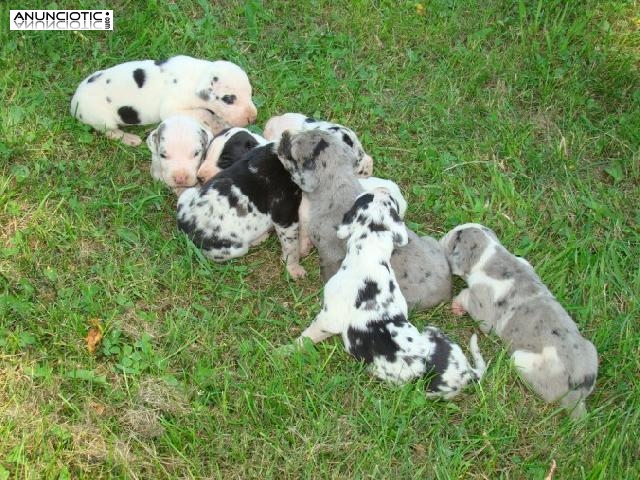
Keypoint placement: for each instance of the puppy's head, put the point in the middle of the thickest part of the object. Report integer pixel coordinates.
(374, 213)
(227, 91)
(463, 246)
(178, 147)
(276, 125)
(363, 163)
(313, 156)
(227, 147)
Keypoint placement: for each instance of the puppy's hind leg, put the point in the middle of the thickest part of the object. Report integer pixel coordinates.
(288, 237)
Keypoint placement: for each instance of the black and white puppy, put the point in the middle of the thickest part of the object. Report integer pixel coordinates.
(226, 148)
(238, 207)
(506, 296)
(363, 303)
(147, 91)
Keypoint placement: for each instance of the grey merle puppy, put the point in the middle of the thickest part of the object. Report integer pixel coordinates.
(322, 166)
(506, 296)
(363, 303)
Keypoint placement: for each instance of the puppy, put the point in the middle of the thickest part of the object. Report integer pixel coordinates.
(363, 303)
(322, 166)
(178, 147)
(238, 207)
(296, 122)
(506, 296)
(144, 92)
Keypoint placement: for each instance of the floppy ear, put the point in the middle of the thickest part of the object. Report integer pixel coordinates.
(400, 234)
(152, 141)
(346, 227)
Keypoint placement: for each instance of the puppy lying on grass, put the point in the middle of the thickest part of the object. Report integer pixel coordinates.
(363, 303)
(146, 91)
(506, 296)
(323, 168)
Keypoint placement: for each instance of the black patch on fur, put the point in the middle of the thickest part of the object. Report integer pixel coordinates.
(320, 147)
(215, 79)
(392, 286)
(346, 139)
(501, 303)
(439, 360)
(204, 95)
(94, 77)
(367, 293)
(585, 384)
(235, 148)
(377, 227)
(129, 115)
(362, 202)
(108, 80)
(269, 187)
(229, 99)
(139, 76)
(385, 265)
(376, 340)
(161, 62)
(108, 100)
(309, 120)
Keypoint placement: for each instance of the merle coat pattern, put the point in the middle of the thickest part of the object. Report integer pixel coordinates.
(363, 303)
(323, 168)
(506, 296)
(238, 207)
(146, 91)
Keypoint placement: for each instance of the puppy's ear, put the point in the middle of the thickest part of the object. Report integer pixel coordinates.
(152, 141)
(346, 227)
(400, 235)
(284, 147)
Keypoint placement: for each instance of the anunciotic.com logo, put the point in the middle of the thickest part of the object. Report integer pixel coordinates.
(61, 20)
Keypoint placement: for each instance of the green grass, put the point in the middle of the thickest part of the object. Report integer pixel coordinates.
(520, 115)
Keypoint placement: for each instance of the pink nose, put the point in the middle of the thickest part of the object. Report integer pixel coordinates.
(180, 179)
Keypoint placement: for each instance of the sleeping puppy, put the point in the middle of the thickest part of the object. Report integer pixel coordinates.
(322, 166)
(240, 205)
(178, 147)
(296, 122)
(363, 303)
(147, 91)
(183, 151)
(506, 296)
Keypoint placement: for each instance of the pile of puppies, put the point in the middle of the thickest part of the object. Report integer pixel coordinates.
(310, 181)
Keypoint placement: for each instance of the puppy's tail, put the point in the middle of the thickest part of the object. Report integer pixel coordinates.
(478, 360)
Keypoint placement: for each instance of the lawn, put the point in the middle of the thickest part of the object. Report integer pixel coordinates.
(522, 115)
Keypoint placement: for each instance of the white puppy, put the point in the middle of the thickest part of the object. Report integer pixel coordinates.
(363, 303)
(146, 91)
(506, 296)
(178, 147)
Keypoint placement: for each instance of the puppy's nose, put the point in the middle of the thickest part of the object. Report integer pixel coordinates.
(180, 179)
(252, 114)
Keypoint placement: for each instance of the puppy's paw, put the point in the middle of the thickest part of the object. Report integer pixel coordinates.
(457, 308)
(296, 271)
(131, 139)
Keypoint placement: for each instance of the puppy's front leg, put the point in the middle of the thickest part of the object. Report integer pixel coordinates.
(460, 304)
(124, 137)
(288, 237)
(320, 329)
(303, 217)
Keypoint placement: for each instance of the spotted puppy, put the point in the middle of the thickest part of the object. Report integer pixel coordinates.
(238, 207)
(506, 296)
(147, 91)
(296, 122)
(322, 166)
(363, 303)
